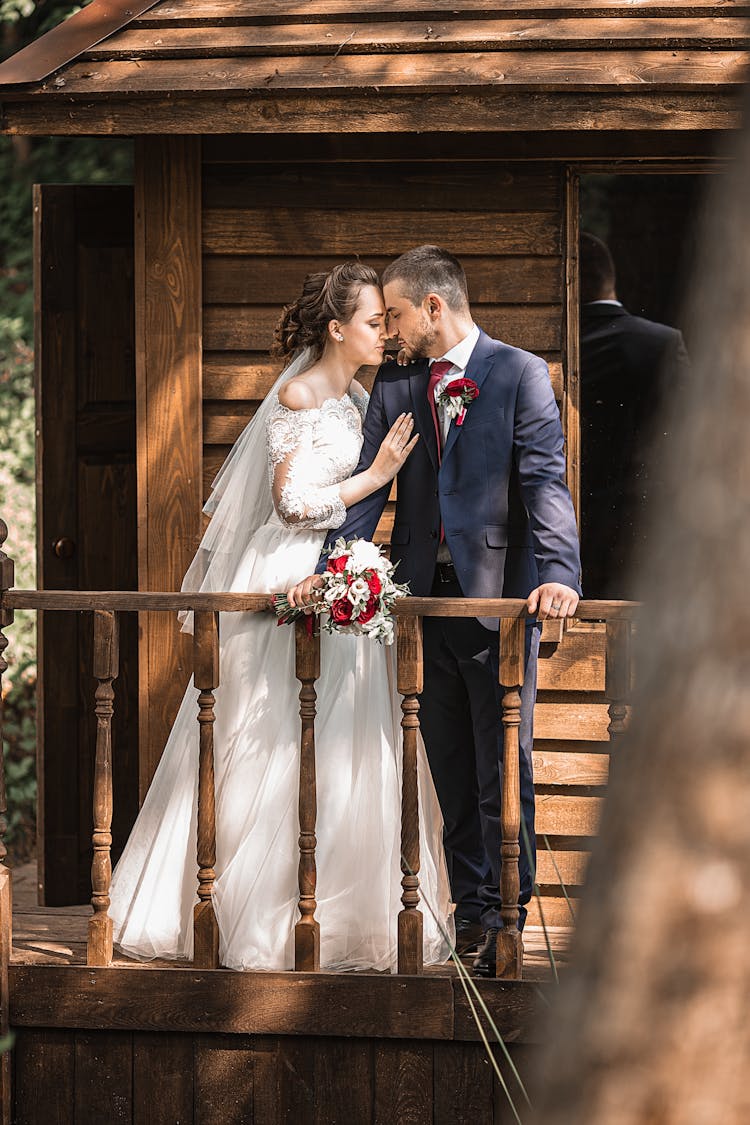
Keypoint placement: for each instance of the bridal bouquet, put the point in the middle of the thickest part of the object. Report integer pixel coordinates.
(357, 595)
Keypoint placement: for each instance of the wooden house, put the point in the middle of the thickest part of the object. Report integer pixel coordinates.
(272, 139)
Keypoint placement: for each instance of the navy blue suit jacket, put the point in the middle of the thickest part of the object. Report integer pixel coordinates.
(508, 517)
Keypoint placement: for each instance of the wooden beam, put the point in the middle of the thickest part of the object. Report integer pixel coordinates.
(356, 112)
(169, 395)
(325, 1004)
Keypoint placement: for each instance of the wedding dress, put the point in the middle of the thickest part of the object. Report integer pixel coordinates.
(256, 748)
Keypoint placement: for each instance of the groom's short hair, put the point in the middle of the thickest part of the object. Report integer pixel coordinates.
(430, 269)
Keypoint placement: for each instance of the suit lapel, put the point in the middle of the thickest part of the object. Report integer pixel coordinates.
(478, 368)
(418, 380)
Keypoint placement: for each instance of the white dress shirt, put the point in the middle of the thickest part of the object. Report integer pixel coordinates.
(459, 355)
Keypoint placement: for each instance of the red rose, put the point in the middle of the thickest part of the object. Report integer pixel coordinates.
(337, 565)
(341, 611)
(369, 611)
(374, 583)
(461, 387)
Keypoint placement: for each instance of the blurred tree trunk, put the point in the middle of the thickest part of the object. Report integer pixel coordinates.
(652, 1021)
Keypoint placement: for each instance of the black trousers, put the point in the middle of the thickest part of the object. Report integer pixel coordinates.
(460, 715)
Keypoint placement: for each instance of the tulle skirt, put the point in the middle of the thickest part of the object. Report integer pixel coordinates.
(256, 751)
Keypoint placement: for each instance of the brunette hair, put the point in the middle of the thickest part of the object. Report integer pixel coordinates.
(430, 269)
(324, 297)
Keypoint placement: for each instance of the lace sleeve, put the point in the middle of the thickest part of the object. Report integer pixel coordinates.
(361, 401)
(292, 469)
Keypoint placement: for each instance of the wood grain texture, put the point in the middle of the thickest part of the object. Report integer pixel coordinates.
(500, 279)
(44, 1060)
(168, 329)
(187, 12)
(524, 326)
(103, 1078)
(379, 37)
(283, 230)
(184, 999)
(163, 1078)
(629, 110)
(223, 1079)
(538, 72)
(403, 1084)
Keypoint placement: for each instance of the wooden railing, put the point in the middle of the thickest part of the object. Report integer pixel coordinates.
(106, 608)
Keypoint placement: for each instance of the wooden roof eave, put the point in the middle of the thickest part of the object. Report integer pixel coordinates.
(290, 69)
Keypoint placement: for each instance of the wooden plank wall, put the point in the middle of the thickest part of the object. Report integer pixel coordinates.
(265, 225)
(119, 1077)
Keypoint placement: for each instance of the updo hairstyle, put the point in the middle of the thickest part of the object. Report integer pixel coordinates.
(324, 297)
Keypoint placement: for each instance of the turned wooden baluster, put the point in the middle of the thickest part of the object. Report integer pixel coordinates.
(410, 683)
(106, 669)
(307, 930)
(617, 676)
(512, 639)
(206, 679)
(6, 932)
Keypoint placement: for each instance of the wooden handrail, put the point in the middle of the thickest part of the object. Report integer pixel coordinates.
(148, 601)
(618, 616)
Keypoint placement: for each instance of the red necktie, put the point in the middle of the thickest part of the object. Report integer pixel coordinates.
(439, 368)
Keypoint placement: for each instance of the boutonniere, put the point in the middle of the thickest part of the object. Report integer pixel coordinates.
(455, 397)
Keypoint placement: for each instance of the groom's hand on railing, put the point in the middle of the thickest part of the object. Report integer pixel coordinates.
(305, 593)
(552, 599)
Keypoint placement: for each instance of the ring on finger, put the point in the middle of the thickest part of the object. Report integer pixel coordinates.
(556, 605)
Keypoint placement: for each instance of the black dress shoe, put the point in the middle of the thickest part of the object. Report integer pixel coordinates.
(469, 936)
(485, 960)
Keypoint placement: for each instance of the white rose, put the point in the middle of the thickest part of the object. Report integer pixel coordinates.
(365, 555)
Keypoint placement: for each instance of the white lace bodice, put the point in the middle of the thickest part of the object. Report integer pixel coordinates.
(309, 453)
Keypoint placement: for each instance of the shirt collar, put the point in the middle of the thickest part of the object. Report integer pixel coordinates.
(605, 301)
(460, 354)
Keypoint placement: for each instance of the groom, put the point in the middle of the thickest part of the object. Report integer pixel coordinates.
(482, 512)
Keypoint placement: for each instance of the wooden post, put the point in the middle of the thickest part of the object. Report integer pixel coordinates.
(617, 676)
(410, 681)
(307, 930)
(6, 901)
(169, 350)
(106, 669)
(206, 676)
(509, 961)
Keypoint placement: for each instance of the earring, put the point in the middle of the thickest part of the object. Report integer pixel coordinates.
(339, 337)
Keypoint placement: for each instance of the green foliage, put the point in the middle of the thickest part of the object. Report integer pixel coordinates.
(19, 750)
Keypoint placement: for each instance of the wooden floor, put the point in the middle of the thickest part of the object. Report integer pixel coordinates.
(45, 935)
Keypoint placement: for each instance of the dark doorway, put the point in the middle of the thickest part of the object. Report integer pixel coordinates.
(634, 347)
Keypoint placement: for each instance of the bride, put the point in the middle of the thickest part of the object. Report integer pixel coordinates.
(285, 483)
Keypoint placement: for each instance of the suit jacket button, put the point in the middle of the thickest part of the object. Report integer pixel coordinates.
(433, 535)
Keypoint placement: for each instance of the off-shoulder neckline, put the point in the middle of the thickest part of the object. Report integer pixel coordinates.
(346, 397)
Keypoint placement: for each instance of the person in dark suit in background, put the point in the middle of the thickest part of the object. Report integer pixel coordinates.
(483, 512)
(628, 365)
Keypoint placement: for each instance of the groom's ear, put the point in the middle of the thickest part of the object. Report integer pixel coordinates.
(433, 305)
